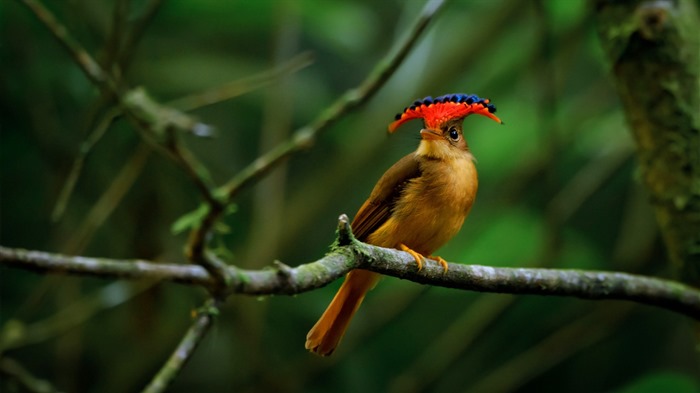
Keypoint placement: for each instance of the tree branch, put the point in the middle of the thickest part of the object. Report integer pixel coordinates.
(11, 369)
(157, 123)
(595, 285)
(203, 321)
(86, 62)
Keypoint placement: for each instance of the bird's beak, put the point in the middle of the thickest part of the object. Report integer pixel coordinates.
(427, 134)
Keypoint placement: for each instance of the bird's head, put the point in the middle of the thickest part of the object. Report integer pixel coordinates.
(442, 135)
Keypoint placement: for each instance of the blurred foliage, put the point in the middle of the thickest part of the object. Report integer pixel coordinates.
(558, 189)
(660, 382)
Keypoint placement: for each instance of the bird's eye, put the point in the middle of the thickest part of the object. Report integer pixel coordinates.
(454, 134)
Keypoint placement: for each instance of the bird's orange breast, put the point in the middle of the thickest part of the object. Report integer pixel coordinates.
(432, 207)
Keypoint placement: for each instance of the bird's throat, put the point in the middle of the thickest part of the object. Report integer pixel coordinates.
(441, 150)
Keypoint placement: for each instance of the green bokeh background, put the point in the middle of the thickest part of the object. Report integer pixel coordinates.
(558, 188)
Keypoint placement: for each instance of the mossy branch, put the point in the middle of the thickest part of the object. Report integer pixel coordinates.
(203, 320)
(351, 254)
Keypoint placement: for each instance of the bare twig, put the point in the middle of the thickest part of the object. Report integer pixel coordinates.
(242, 86)
(146, 114)
(192, 167)
(9, 368)
(107, 59)
(583, 284)
(203, 321)
(137, 30)
(156, 122)
(86, 62)
(110, 199)
(76, 169)
(115, 39)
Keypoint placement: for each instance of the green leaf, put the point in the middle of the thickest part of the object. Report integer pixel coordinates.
(221, 251)
(189, 220)
(194, 218)
(221, 227)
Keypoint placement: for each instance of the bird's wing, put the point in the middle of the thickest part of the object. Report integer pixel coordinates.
(377, 208)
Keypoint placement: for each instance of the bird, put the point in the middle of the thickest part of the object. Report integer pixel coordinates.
(417, 206)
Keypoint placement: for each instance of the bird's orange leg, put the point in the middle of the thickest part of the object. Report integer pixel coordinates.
(419, 258)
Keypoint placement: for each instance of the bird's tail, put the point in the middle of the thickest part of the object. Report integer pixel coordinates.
(324, 337)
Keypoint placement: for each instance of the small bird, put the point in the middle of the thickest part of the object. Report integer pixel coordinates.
(417, 206)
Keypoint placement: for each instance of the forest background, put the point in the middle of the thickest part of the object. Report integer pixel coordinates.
(560, 187)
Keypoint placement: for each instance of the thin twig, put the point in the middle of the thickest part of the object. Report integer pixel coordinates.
(86, 62)
(147, 115)
(123, 39)
(203, 321)
(115, 39)
(196, 245)
(76, 169)
(138, 28)
(156, 122)
(194, 169)
(110, 199)
(242, 86)
(10, 369)
(594, 285)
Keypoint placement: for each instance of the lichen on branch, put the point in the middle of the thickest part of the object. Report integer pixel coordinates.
(351, 254)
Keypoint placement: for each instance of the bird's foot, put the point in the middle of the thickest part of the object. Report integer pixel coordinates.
(419, 258)
(440, 260)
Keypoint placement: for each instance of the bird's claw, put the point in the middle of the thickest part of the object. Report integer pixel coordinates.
(441, 261)
(419, 258)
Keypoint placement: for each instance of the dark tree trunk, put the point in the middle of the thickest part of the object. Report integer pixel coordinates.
(654, 51)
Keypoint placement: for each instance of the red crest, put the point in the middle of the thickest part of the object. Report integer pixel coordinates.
(435, 111)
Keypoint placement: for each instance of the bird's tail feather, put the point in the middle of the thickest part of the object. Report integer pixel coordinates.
(324, 337)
